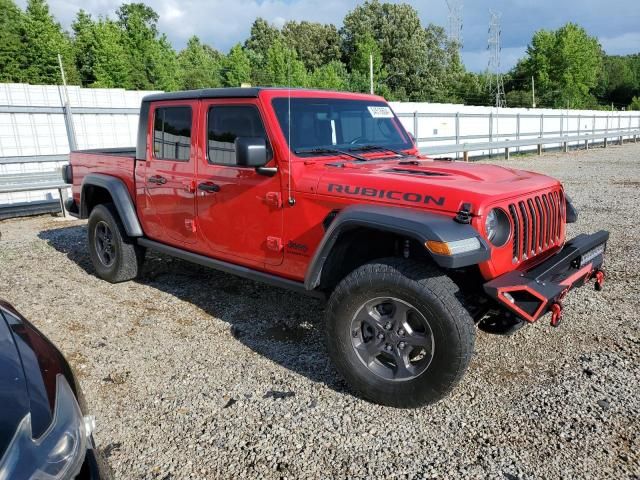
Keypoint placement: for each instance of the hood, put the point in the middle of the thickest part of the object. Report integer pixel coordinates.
(437, 185)
(29, 365)
(14, 396)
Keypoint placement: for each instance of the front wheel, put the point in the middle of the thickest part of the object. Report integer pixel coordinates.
(114, 255)
(398, 334)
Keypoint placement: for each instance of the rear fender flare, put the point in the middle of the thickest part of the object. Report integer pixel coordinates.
(121, 199)
(418, 225)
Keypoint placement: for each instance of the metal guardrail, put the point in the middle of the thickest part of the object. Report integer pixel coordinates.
(616, 126)
(30, 182)
(465, 148)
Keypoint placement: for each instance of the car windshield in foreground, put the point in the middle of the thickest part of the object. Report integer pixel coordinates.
(318, 125)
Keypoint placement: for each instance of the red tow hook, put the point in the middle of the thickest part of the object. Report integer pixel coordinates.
(556, 314)
(599, 276)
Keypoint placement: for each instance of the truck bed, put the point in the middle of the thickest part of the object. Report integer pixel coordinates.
(116, 162)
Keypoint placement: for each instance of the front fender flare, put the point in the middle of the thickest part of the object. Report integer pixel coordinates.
(121, 199)
(418, 225)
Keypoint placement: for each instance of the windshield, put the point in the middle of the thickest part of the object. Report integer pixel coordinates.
(339, 124)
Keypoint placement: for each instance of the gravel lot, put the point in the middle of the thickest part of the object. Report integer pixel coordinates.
(196, 374)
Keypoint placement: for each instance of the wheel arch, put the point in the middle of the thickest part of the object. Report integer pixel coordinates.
(377, 226)
(98, 189)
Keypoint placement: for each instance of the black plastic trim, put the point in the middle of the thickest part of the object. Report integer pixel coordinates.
(231, 268)
(143, 124)
(546, 278)
(572, 213)
(67, 174)
(71, 207)
(121, 199)
(421, 226)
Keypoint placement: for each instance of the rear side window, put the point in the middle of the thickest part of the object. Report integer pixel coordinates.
(172, 133)
(225, 124)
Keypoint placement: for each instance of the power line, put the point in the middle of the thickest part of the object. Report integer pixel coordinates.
(496, 84)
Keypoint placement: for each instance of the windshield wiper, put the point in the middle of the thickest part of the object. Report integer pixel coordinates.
(330, 150)
(368, 148)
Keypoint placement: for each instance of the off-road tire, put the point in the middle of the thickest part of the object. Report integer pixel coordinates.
(127, 256)
(433, 295)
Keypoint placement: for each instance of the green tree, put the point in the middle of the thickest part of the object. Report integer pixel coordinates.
(84, 47)
(152, 61)
(262, 36)
(415, 59)
(566, 64)
(316, 44)
(11, 49)
(237, 67)
(111, 62)
(472, 89)
(199, 65)
(43, 40)
(331, 76)
(443, 71)
(619, 82)
(283, 67)
(366, 48)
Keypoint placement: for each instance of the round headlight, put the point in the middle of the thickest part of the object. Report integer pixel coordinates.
(497, 227)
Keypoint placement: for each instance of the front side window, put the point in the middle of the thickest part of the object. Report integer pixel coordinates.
(226, 123)
(172, 133)
(318, 123)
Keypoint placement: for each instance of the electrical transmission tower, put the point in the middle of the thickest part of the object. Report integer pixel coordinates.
(496, 84)
(455, 21)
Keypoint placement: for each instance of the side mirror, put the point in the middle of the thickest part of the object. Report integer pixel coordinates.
(251, 151)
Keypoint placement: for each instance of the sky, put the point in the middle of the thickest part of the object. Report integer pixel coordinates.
(224, 23)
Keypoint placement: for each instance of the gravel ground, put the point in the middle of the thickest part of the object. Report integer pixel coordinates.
(196, 374)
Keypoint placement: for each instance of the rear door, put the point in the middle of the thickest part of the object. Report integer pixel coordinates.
(239, 210)
(170, 174)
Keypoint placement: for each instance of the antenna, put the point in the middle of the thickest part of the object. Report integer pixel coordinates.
(455, 22)
(291, 200)
(496, 84)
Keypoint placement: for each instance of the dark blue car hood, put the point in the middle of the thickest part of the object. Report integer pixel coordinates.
(29, 367)
(14, 396)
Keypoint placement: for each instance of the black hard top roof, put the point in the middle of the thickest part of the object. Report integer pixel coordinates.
(205, 93)
(249, 92)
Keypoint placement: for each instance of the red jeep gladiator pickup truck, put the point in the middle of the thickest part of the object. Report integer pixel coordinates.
(325, 193)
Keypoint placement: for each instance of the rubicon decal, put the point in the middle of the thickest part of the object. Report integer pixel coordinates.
(394, 195)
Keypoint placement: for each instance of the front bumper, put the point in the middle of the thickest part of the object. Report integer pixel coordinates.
(532, 293)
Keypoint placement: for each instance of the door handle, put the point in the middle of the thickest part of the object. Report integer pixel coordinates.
(157, 179)
(209, 187)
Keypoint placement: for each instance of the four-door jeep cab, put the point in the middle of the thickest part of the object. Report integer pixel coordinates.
(325, 193)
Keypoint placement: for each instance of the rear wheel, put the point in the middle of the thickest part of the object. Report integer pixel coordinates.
(114, 255)
(398, 334)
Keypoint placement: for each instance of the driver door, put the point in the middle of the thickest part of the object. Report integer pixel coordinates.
(239, 211)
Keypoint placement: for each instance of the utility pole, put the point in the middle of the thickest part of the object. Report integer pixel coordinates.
(66, 106)
(371, 72)
(533, 91)
(455, 22)
(496, 84)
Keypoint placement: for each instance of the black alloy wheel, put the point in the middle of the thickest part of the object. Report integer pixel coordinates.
(392, 338)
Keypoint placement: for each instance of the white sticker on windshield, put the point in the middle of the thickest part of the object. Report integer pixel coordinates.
(380, 112)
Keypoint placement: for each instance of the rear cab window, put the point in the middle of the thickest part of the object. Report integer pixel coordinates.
(172, 133)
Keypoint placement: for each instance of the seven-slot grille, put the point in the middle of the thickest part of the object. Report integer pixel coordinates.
(537, 224)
